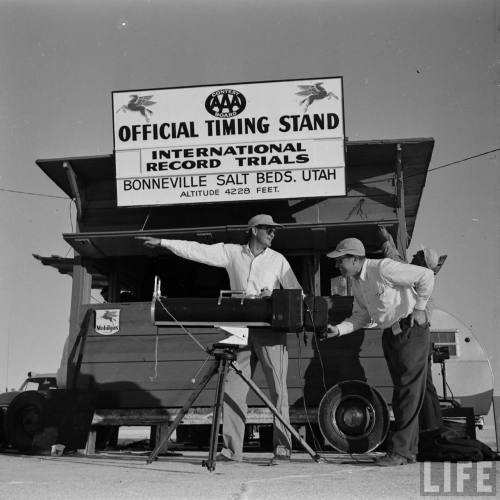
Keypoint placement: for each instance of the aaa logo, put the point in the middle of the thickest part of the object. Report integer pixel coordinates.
(225, 103)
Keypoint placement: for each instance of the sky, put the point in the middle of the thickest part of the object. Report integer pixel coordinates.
(410, 69)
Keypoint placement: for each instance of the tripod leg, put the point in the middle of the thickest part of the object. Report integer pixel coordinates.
(315, 456)
(182, 412)
(443, 376)
(219, 399)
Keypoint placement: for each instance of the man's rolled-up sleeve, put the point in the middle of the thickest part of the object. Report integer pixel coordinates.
(360, 318)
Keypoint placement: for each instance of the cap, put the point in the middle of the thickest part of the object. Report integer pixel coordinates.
(262, 220)
(431, 258)
(349, 246)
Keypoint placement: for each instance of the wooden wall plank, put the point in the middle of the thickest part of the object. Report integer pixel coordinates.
(136, 348)
(178, 375)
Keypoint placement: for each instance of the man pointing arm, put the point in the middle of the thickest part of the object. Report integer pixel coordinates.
(257, 270)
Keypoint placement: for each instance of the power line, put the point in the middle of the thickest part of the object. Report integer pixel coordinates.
(464, 159)
(389, 179)
(455, 162)
(34, 194)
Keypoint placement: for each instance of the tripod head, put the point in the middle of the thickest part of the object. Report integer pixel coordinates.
(440, 353)
(220, 352)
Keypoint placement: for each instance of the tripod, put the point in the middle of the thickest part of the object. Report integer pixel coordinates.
(226, 359)
(439, 355)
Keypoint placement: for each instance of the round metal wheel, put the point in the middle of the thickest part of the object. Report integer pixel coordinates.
(353, 417)
(23, 419)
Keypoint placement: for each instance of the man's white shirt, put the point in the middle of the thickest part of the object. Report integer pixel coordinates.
(247, 272)
(385, 292)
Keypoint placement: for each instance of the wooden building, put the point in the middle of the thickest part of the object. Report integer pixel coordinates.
(385, 180)
(150, 368)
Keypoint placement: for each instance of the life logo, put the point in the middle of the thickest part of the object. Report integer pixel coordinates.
(225, 103)
(107, 321)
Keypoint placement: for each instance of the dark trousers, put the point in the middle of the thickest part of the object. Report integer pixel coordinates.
(430, 414)
(407, 356)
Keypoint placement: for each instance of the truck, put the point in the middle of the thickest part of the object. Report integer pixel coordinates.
(141, 371)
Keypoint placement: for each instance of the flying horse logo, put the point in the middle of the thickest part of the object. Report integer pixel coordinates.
(107, 321)
(314, 93)
(110, 316)
(140, 104)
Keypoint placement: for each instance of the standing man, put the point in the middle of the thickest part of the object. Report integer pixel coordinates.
(430, 417)
(393, 295)
(258, 270)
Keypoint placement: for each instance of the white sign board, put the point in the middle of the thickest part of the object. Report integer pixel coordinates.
(230, 142)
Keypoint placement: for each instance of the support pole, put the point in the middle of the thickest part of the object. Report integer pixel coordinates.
(402, 236)
(70, 173)
(80, 294)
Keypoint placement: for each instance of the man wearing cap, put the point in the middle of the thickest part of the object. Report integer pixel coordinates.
(394, 296)
(258, 270)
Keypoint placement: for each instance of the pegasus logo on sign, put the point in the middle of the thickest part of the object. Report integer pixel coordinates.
(314, 92)
(138, 103)
(107, 321)
(225, 103)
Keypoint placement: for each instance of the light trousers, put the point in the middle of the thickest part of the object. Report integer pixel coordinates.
(268, 347)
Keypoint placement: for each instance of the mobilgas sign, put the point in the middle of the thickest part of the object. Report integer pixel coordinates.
(229, 142)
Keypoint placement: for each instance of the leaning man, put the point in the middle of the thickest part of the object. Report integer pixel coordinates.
(393, 295)
(256, 269)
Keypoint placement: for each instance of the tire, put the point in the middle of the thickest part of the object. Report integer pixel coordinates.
(23, 420)
(3, 441)
(353, 417)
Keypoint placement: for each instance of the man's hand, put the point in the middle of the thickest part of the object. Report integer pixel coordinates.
(383, 233)
(384, 237)
(419, 317)
(149, 242)
(265, 292)
(330, 332)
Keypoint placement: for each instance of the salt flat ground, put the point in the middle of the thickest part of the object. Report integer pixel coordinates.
(125, 475)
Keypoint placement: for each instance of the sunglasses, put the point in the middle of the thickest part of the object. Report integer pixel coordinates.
(267, 229)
